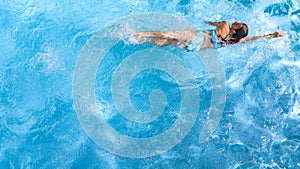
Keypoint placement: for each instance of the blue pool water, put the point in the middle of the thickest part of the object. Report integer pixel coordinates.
(40, 43)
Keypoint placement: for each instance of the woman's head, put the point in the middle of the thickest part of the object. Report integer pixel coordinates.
(237, 31)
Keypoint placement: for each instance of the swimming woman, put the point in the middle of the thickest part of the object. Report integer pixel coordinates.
(196, 40)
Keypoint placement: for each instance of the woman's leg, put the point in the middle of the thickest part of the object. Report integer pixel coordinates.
(164, 42)
(179, 39)
(159, 42)
(182, 35)
(158, 35)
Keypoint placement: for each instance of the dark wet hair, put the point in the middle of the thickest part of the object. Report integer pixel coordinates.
(242, 32)
(239, 34)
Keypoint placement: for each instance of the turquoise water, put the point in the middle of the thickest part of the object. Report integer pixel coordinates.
(41, 41)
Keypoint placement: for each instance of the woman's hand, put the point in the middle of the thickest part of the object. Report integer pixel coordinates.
(278, 34)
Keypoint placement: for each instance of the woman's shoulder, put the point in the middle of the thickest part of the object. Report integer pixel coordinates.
(223, 29)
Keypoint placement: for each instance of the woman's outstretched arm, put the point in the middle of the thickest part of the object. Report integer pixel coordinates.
(276, 34)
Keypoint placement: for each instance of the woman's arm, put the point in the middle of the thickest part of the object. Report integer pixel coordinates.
(276, 34)
(216, 23)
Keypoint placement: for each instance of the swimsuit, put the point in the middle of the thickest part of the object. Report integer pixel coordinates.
(215, 40)
(196, 43)
(218, 41)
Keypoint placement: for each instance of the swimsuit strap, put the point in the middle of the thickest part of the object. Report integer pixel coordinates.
(225, 39)
(218, 41)
(215, 40)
